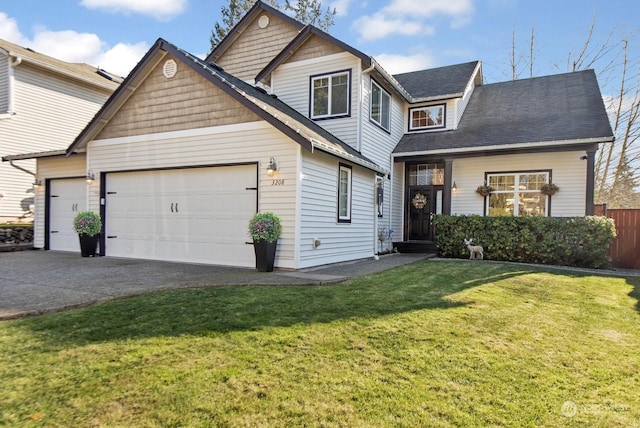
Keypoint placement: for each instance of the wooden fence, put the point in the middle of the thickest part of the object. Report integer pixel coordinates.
(625, 248)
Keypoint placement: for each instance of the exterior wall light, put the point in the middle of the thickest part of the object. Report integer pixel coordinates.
(90, 177)
(454, 187)
(37, 184)
(272, 167)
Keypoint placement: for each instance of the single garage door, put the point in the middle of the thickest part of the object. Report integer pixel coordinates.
(66, 198)
(197, 215)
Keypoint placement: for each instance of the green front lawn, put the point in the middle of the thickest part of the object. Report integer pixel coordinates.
(439, 343)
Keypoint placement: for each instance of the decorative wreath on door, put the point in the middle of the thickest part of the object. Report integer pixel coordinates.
(419, 201)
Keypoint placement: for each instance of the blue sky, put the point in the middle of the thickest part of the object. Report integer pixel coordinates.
(403, 35)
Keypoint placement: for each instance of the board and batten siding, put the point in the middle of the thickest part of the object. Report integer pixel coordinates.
(5, 82)
(185, 101)
(291, 82)
(254, 142)
(256, 47)
(53, 168)
(319, 217)
(568, 171)
(59, 108)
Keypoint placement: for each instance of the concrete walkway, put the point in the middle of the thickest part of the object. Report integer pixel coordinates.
(38, 282)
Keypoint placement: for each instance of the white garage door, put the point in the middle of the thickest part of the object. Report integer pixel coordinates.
(66, 198)
(197, 215)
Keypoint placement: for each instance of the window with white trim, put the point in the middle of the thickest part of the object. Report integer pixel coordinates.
(330, 95)
(518, 194)
(344, 194)
(429, 117)
(380, 106)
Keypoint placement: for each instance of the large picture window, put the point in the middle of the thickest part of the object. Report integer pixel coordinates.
(344, 194)
(380, 106)
(430, 117)
(517, 194)
(330, 95)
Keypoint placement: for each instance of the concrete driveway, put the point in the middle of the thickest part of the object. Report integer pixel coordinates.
(38, 282)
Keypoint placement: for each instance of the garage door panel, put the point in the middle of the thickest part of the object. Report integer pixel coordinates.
(67, 198)
(191, 215)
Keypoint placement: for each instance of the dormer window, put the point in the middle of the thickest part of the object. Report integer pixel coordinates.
(330, 95)
(428, 117)
(380, 106)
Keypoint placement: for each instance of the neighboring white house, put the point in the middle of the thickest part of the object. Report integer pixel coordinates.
(44, 104)
(180, 152)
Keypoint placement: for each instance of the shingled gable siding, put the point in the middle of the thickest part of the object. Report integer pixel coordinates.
(185, 101)
(567, 171)
(291, 83)
(52, 168)
(253, 142)
(256, 47)
(318, 212)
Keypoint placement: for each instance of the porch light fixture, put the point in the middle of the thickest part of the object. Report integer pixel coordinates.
(90, 177)
(454, 187)
(37, 184)
(272, 167)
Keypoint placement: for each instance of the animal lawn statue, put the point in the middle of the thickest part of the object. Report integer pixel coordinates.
(476, 252)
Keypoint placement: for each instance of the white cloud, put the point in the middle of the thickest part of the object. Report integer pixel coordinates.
(395, 64)
(379, 26)
(72, 46)
(159, 9)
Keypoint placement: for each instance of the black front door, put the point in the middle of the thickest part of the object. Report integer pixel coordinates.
(420, 210)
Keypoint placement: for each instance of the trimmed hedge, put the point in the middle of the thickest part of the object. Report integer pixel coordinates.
(567, 241)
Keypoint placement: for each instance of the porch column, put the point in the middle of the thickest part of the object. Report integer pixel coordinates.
(448, 182)
(591, 156)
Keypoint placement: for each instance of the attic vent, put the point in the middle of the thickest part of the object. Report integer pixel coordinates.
(169, 69)
(263, 22)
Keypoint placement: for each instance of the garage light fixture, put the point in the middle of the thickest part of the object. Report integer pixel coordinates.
(90, 177)
(454, 187)
(272, 167)
(37, 184)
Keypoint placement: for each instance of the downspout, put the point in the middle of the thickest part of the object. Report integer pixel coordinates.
(22, 169)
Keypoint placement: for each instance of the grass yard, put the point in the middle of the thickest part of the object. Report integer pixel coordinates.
(438, 344)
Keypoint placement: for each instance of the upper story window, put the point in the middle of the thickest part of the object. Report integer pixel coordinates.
(429, 117)
(518, 194)
(380, 106)
(330, 95)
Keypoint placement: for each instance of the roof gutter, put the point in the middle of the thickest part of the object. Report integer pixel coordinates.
(496, 147)
(389, 78)
(354, 159)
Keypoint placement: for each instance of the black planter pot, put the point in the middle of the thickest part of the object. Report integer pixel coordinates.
(265, 255)
(88, 244)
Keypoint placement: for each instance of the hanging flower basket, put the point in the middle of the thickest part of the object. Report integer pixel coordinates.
(549, 189)
(484, 190)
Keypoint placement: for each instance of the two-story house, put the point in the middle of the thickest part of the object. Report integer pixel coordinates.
(44, 104)
(283, 117)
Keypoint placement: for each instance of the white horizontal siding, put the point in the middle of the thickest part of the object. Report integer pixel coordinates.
(318, 208)
(462, 103)
(52, 168)
(291, 83)
(567, 171)
(244, 143)
(377, 144)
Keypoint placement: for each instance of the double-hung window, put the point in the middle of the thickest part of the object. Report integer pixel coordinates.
(431, 117)
(518, 194)
(330, 95)
(380, 106)
(344, 194)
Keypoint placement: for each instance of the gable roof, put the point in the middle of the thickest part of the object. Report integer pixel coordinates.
(269, 108)
(559, 110)
(235, 32)
(76, 71)
(438, 83)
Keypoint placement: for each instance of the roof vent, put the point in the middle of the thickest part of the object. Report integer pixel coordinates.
(263, 21)
(170, 68)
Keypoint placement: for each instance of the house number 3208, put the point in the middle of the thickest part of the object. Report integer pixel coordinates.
(278, 182)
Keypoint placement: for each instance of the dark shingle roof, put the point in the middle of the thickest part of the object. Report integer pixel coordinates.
(559, 108)
(437, 82)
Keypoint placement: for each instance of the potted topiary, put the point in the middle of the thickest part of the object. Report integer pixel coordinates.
(88, 225)
(265, 229)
